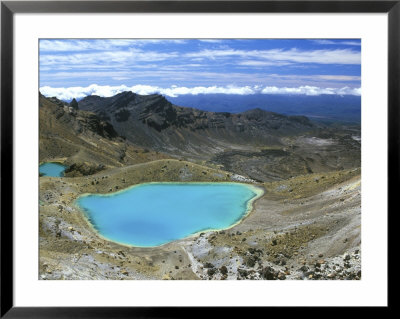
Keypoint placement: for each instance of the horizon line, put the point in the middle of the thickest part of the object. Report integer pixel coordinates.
(78, 92)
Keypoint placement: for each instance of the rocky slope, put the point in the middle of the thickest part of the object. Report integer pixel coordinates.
(152, 121)
(300, 229)
(82, 140)
(306, 226)
(258, 144)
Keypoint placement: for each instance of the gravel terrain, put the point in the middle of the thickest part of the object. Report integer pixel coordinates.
(312, 232)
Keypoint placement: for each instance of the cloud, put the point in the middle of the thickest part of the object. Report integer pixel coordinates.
(339, 77)
(211, 40)
(358, 43)
(174, 91)
(59, 45)
(311, 90)
(257, 63)
(131, 56)
(106, 57)
(330, 42)
(338, 56)
(318, 77)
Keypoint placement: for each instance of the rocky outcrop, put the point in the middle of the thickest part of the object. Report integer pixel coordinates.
(152, 121)
(53, 100)
(78, 136)
(158, 113)
(74, 104)
(79, 121)
(91, 122)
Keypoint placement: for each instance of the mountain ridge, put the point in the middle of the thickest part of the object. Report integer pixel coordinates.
(81, 139)
(153, 121)
(130, 128)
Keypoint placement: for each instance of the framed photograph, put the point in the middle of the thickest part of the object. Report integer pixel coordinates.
(164, 154)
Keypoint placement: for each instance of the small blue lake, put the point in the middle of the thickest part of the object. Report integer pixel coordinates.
(153, 214)
(52, 169)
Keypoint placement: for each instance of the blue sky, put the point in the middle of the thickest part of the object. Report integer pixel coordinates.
(80, 67)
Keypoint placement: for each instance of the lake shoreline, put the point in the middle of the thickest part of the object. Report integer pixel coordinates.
(69, 249)
(257, 190)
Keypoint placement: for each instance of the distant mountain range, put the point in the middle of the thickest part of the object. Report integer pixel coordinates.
(322, 108)
(152, 121)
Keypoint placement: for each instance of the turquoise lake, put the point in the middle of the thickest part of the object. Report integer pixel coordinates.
(153, 214)
(52, 169)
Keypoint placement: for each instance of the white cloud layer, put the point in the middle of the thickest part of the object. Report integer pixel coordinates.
(338, 56)
(98, 45)
(324, 41)
(174, 91)
(311, 90)
(133, 55)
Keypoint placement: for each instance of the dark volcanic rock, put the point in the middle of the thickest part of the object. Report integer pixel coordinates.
(122, 115)
(268, 273)
(74, 104)
(211, 271)
(223, 270)
(243, 272)
(152, 121)
(208, 265)
(93, 123)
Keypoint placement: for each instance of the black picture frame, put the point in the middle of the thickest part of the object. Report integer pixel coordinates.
(9, 8)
